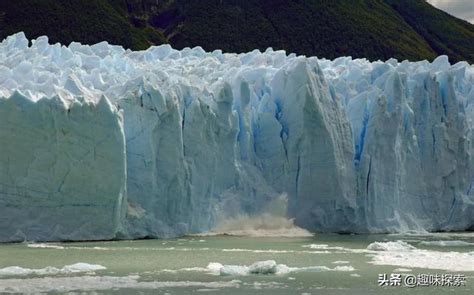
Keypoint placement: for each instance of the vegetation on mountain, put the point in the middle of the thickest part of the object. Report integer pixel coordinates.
(374, 29)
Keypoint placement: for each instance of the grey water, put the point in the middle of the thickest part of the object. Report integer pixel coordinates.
(319, 264)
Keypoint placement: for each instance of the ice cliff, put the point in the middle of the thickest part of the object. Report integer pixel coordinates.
(98, 142)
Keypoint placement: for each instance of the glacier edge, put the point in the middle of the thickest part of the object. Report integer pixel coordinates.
(98, 142)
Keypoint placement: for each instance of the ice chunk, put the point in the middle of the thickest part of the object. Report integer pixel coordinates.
(100, 283)
(263, 267)
(390, 246)
(448, 243)
(449, 261)
(268, 267)
(50, 270)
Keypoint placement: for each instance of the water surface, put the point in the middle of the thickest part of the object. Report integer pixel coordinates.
(323, 264)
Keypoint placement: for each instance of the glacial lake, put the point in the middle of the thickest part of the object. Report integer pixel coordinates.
(321, 264)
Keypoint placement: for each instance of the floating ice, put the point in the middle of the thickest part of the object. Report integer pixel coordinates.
(100, 283)
(45, 246)
(402, 254)
(268, 267)
(449, 243)
(50, 270)
(99, 142)
(341, 262)
(327, 247)
(343, 268)
(390, 246)
(260, 267)
(449, 261)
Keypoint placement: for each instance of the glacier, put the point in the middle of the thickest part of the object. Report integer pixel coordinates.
(98, 142)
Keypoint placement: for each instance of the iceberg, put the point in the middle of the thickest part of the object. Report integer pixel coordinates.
(98, 142)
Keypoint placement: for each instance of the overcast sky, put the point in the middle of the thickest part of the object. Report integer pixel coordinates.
(460, 8)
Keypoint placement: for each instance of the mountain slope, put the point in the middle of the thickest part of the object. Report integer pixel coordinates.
(324, 28)
(444, 33)
(74, 20)
(375, 29)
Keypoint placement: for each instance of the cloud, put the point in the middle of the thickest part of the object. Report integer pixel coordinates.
(460, 8)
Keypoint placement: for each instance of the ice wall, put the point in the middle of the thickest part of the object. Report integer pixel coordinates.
(62, 169)
(413, 141)
(99, 142)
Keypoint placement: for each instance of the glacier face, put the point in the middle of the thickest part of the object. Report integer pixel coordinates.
(62, 169)
(98, 142)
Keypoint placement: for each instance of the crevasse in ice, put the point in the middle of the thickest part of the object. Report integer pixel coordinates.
(98, 142)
